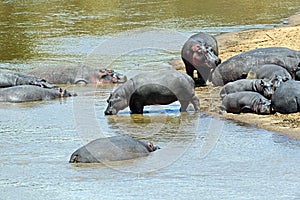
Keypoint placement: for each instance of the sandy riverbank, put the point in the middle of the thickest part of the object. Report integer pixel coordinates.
(231, 44)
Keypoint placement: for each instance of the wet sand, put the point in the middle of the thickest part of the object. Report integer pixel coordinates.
(231, 44)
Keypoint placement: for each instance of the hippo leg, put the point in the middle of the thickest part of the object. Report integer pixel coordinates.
(189, 68)
(136, 107)
(195, 102)
(184, 105)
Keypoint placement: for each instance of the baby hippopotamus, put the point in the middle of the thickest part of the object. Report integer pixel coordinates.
(246, 102)
(116, 148)
(264, 87)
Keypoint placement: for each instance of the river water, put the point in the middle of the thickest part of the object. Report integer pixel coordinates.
(201, 157)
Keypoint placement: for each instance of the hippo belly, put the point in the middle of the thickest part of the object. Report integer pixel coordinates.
(246, 102)
(115, 148)
(286, 98)
(150, 94)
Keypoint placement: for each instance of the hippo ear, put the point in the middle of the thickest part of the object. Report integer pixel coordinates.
(262, 83)
(196, 47)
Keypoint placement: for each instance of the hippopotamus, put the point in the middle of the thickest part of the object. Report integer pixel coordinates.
(262, 86)
(26, 93)
(9, 78)
(116, 148)
(286, 99)
(152, 88)
(78, 74)
(269, 71)
(246, 102)
(238, 66)
(200, 52)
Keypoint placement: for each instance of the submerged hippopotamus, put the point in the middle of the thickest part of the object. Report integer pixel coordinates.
(115, 148)
(246, 102)
(26, 93)
(152, 88)
(9, 78)
(77, 75)
(237, 67)
(200, 52)
(264, 87)
(286, 99)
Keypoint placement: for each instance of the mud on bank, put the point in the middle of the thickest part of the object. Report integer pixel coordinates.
(231, 44)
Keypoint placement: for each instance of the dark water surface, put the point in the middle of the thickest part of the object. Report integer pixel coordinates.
(201, 157)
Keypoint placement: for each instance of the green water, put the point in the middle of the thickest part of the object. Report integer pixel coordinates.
(35, 33)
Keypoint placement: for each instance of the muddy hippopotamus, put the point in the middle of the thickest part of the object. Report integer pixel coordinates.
(26, 93)
(9, 78)
(237, 67)
(200, 52)
(246, 102)
(80, 74)
(262, 86)
(115, 148)
(286, 99)
(152, 88)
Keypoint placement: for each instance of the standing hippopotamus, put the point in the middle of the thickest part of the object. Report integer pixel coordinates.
(264, 87)
(115, 148)
(9, 78)
(153, 88)
(237, 67)
(200, 52)
(26, 93)
(286, 99)
(246, 102)
(77, 74)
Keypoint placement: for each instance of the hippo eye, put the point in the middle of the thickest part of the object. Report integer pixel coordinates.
(150, 145)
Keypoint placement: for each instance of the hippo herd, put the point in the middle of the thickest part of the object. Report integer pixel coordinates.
(262, 81)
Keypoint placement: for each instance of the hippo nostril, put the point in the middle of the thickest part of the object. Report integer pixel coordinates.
(218, 61)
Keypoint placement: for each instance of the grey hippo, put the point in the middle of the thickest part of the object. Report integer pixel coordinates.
(244, 102)
(262, 86)
(77, 74)
(238, 66)
(200, 52)
(160, 87)
(286, 99)
(27, 93)
(10, 78)
(116, 148)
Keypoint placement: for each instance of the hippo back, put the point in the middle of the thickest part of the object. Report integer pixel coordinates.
(179, 83)
(238, 66)
(115, 148)
(286, 98)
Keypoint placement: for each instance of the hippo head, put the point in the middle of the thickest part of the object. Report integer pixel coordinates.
(150, 147)
(267, 87)
(64, 93)
(204, 55)
(263, 106)
(277, 80)
(116, 101)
